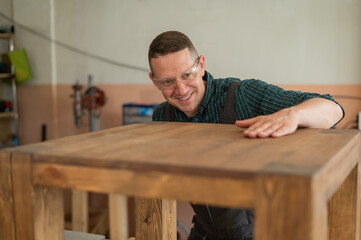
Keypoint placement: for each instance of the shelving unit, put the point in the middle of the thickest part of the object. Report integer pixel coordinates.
(7, 115)
(5, 75)
(9, 120)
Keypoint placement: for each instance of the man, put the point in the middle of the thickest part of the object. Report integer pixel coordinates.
(193, 95)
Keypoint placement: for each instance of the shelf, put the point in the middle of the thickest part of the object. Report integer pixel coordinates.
(9, 124)
(6, 75)
(7, 115)
(6, 35)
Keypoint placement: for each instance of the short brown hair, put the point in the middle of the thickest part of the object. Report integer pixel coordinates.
(170, 42)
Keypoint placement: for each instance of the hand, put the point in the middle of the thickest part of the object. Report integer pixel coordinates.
(278, 124)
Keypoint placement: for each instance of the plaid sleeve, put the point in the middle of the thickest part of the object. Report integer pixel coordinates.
(264, 99)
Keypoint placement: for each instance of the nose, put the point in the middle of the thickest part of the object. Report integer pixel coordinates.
(181, 87)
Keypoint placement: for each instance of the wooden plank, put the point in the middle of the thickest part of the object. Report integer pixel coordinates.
(169, 219)
(155, 219)
(287, 208)
(221, 149)
(118, 215)
(344, 222)
(286, 177)
(7, 115)
(151, 184)
(48, 213)
(23, 196)
(335, 172)
(6, 75)
(99, 224)
(6, 35)
(80, 211)
(7, 218)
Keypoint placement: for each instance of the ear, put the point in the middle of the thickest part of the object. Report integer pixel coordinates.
(151, 78)
(202, 64)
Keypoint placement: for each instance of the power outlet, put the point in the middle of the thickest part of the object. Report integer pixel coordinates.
(359, 121)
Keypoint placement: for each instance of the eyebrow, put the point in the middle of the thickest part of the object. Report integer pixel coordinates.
(165, 79)
(171, 78)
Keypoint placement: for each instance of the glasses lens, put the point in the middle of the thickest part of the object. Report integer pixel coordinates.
(187, 76)
(166, 82)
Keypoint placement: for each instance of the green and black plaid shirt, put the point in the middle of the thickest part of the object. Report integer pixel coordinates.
(252, 98)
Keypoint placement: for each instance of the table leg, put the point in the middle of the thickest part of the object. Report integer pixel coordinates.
(48, 213)
(288, 208)
(79, 212)
(155, 219)
(344, 219)
(39, 212)
(118, 214)
(7, 219)
(23, 196)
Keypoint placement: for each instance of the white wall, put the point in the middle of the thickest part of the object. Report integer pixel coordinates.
(34, 17)
(6, 8)
(279, 41)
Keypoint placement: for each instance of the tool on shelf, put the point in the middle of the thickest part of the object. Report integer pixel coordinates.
(92, 100)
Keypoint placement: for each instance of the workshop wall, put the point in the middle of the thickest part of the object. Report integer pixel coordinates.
(38, 104)
(313, 45)
(298, 42)
(6, 9)
(303, 45)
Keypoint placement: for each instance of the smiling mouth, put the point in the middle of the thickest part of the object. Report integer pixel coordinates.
(186, 97)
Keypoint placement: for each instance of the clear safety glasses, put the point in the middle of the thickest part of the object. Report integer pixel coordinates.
(170, 83)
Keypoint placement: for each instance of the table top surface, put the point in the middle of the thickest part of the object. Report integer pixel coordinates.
(196, 148)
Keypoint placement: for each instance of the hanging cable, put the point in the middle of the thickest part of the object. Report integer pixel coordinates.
(73, 49)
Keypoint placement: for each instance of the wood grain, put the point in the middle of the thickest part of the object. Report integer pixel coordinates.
(288, 208)
(220, 149)
(288, 180)
(23, 196)
(150, 184)
(337, 169)
(118, 214)
(7, 218)
(80, 213)
(344, 207)
(48, 213)
(155, 219)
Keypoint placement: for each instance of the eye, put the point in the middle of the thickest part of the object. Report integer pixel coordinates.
(187, 76)
(166, 82)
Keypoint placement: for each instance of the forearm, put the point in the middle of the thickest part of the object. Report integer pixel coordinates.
(313, 113)
(318, 113)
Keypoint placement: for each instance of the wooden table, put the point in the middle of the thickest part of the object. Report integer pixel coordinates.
(292, 182)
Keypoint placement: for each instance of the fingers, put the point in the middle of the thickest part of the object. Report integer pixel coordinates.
(246, 123)
(261, 130)
(282, 132)
(267, 130)
(274, 125)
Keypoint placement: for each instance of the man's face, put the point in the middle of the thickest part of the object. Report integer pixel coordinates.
(186, 95)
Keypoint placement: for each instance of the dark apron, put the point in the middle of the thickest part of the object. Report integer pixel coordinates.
(216, 223)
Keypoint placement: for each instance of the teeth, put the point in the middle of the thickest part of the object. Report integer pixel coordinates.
(185, 98)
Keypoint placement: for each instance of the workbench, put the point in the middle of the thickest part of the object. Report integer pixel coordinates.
(304, 186)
